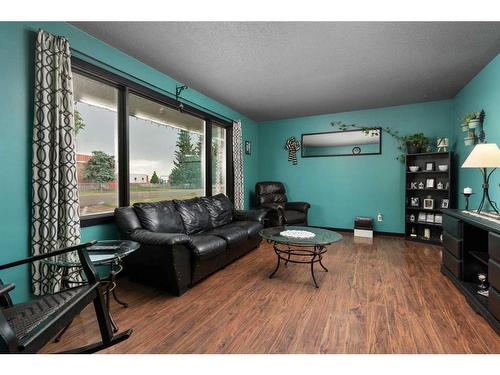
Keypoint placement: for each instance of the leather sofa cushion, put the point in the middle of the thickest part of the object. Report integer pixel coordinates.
(294, 217)
(194, 215)
(219, 208)
(231, 234)
(251, 227)
(159, 217)
(206, 246)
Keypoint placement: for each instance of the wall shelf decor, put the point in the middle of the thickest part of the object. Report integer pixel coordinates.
(472, 125)
(427, 202)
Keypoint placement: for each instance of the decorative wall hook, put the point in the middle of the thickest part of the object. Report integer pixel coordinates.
(292, 145)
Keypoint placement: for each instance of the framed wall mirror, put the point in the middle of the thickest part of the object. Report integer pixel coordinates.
(342, 143)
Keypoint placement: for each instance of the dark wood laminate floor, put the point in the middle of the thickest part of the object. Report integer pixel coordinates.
(387, 297)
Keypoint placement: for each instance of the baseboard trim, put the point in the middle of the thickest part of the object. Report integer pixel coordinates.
(379, 233)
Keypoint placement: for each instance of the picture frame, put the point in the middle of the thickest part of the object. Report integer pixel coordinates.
(415, 202)
(429, 218)
(413, 185)
(429, 166)
(422, 217)
(248, 147)
(429, 183)
(438, 219)
(428, 204)
(445, 203)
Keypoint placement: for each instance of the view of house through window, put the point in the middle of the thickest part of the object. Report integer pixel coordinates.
(218, 159)
(167, 152)
(96, 126)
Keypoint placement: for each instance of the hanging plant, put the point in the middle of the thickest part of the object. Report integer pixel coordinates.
(412, 143)
(473, 124)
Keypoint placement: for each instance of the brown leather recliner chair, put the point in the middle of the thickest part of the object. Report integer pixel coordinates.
(272, 195)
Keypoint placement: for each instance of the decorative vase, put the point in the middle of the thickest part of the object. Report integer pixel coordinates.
(465, 127)
(474, 123)
(469, 141)
(412, 149)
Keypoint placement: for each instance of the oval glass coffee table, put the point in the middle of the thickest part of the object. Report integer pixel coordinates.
(300, 250)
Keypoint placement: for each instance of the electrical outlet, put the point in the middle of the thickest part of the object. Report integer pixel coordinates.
(380, 217)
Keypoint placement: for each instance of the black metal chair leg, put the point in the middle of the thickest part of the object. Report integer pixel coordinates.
(107, 297)
(103, 318)
(93, 348)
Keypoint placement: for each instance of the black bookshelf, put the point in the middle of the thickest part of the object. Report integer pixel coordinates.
(423, 222)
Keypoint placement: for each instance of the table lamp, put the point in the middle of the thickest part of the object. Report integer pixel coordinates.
(484, 156)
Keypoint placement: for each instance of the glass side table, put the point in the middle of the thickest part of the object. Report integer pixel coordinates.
(107, 253)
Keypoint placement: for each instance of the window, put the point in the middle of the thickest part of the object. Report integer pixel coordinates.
(133, 144)
(96, 123)
(167, 148)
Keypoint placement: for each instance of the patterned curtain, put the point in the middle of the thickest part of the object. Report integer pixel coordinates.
(239, 202)
(55, 221)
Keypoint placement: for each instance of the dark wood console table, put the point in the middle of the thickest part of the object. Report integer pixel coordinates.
(471, 245)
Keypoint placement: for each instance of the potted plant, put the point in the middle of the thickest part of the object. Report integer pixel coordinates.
(470, 140)
(474, 120)
(416, 143)
(465, 125)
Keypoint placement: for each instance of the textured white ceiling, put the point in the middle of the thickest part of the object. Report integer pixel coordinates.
(275, 70)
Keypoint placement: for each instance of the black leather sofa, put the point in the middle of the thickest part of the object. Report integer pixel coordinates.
(184, 241)
(271, 195)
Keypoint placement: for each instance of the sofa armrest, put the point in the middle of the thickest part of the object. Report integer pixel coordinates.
(297, 206)
(163, 259)
(250, 215)
(146, 237)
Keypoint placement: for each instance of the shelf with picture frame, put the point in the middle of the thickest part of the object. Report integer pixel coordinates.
(429, 189)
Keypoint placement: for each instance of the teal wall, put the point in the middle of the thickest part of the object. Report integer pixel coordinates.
(343, 187)
(483, 92)
(16, 107)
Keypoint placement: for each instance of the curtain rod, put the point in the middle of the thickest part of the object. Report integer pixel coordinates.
(172, 95)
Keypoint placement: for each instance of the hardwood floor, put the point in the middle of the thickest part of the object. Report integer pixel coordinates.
(385, 297)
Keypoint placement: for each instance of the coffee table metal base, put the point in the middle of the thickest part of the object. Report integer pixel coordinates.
(299, 254)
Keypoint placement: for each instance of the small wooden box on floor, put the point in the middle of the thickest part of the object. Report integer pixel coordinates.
(471, 245)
